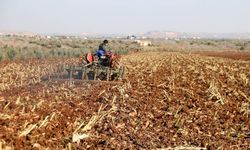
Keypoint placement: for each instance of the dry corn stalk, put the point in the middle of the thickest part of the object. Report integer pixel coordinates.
(183, 148)
(27, 130)
(98, 117)
(244, 79)
(77, 137)
(44, 122)
(214, 93)
(5, 116)
(245, 108)
(93, 121)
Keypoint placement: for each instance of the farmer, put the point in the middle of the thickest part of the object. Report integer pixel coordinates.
(104, 53)
(103, 49)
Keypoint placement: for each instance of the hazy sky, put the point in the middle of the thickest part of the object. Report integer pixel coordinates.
(124, 16)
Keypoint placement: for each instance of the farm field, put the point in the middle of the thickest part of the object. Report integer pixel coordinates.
(227, 54)
(166, 100)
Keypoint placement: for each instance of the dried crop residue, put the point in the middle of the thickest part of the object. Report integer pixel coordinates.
(227, 54)
(167, 100)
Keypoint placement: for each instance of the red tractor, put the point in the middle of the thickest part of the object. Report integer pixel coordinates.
(92, 67)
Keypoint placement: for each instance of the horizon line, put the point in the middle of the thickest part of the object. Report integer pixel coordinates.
(96, 33)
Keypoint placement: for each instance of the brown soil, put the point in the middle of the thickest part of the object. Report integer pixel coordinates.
(165, 100)
(226, 54)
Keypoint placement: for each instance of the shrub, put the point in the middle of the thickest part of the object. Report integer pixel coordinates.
(5, 46)
(242, 48)
(58, 45)
(1, 56)
(121, 52)
(44, 45)
(38, 54)
(52, 52)
(11, 53)
(22, 56)
(59, 53)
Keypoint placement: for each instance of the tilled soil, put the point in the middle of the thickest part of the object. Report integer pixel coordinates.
(227, 54)
(166, 100)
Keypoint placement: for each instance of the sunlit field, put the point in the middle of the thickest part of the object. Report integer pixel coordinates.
(175, 94)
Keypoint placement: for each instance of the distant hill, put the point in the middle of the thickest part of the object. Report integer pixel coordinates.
(150, 34)
(18, 33)
(183, 35)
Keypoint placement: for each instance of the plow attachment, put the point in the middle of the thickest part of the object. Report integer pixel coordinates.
(89, 70)
(95, 73)
(74, 73)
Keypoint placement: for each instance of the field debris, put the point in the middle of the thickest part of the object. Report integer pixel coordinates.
(168, 100)
(183, 148)
(27, 130)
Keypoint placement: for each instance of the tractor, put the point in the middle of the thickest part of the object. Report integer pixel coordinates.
(91, 67)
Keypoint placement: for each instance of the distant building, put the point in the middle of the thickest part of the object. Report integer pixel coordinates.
(132, 37)
(143, 43)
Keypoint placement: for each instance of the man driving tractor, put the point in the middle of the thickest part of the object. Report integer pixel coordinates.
(102, 50)
(104, 55)
(103, 64)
